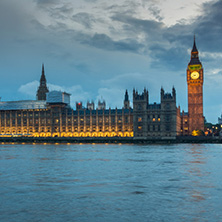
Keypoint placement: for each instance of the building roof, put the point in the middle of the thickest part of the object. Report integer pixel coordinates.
(154, 106)
(194, 55)
(194, 46)
(23, 104)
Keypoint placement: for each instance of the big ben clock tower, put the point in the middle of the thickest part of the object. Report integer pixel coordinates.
(195, 91)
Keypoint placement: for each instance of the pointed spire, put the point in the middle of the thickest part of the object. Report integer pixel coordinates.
(194, 54)
(194, 45)
(43, 71)
(43, 79)
(174, 92)
(126, 96)
(42, 89)
(162, 90)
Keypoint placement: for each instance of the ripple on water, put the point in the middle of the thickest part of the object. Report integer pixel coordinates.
(110, 183)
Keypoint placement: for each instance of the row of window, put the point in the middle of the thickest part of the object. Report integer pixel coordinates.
(154, 128)
(154, 118)
(63, 129)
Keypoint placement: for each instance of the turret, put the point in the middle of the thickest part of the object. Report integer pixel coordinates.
(168, 97)
(101, 105)
(126, 102)
(79, 106)
(140, 101)
(174, 93)
(42, 90)
(90, 105)
(161, 93)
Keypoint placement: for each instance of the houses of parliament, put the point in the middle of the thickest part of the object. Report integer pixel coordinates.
(51, 115)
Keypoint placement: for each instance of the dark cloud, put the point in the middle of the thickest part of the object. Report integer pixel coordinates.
(84, 18)
(160, 43)
(104, 42)
(209, 26)
(65, 8)
(123, 8)
(172, 58)
(169, 44)
(46, 2)
(148, 26)
(90, 0)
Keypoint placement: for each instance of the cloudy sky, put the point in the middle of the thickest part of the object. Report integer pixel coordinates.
(96, 48)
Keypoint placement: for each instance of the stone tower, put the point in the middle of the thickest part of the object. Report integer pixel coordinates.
(42, 90)
(195, 91)
(126, 102)
(140, 118)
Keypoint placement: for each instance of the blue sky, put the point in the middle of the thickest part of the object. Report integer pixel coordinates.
(96, 49)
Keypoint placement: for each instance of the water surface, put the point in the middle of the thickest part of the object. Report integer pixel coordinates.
(102, 182)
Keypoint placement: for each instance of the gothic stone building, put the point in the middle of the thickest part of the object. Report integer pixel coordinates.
(155, 120)
(194, 119)
(52, 116)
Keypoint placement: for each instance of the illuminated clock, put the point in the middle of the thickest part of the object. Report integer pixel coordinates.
(195, 75)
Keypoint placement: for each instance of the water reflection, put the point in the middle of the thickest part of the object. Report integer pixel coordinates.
(198, 180)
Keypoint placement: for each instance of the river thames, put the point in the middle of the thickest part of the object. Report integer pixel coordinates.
(179, 182)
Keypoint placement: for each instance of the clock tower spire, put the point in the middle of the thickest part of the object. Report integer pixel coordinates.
(195, 91)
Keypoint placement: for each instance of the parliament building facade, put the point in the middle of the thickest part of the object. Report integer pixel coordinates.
(51, 115)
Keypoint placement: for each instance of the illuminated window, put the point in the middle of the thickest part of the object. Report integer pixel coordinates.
(154, 119)
(139, 127)
(139, 119)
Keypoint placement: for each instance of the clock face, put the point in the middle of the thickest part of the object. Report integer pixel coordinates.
(195, 75)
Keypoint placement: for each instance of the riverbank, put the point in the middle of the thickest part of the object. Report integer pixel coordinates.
(115, 140)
